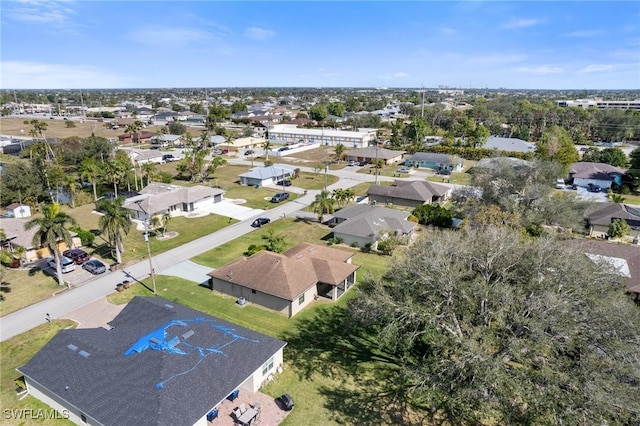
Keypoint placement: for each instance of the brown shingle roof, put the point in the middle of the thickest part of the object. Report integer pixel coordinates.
(290, 274)
(409, 190)
(605, 215)
(623, 251)
(599, 171)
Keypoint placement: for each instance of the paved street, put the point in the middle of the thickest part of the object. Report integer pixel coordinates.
(67, 301)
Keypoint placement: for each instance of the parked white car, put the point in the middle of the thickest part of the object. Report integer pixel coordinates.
(66, 264)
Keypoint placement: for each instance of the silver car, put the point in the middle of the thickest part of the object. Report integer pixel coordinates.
(94, 266)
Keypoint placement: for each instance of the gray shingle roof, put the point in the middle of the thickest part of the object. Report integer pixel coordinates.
(157, 197)
(368, 222)
(605, 215)
(275, 171)
(370, 152)
(597, 171)
(415, 190)
(438, 158)
(174, 386)
(509, 144)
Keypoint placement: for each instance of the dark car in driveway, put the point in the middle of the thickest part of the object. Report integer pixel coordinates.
(285, 402)
(284, 183)
(593, 188)
(77, 255)
(280, 196)
(95, 267)
(261, 221)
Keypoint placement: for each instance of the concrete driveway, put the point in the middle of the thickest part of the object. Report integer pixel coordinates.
(189, 271)
(229, 208)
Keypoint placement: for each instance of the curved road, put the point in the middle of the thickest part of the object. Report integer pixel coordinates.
(67, 301)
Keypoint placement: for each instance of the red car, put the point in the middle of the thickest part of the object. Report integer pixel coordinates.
(77, 255)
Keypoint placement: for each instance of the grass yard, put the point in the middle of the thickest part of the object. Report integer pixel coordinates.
(188, 229)
(14, 353)
(631, 199)
(21, 288)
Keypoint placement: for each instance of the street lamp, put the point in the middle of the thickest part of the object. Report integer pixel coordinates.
(146, 238)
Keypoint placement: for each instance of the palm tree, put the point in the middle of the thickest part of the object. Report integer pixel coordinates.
(323, 204)
(343, 196)
(90, 171)
(70, 182)
(51, 230)
(114, 222)
(114, 173)
(267, 146)
(148, 169)
(340, 152)
(134, 128)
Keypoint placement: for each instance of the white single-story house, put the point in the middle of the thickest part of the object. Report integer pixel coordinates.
(161, 363)
(160, 198)
(141, 156)
(287, 282)
(288, 134)
(364, 224)
(434, 161)
(601, 174)
(166, 140)
(264, 176)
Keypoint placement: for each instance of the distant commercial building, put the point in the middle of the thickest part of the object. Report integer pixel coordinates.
(288, 134)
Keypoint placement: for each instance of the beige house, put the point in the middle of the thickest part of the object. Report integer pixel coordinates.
(18, 236)
(409, 193)
(372, 154)
(600, 219)
(287, 282)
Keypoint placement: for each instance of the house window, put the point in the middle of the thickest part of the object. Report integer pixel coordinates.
(253, 291)
(83, 418)
(301, 299)
(267, 366)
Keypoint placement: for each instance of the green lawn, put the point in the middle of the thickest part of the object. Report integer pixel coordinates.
(631, 199)
(14, 353)
(21, 288)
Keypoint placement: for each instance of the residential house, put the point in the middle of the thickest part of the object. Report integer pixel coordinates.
(497, 162)
(160, 198)
(161, 363)
(139, 137)
(264, 176)
(141, 156)
(365, 224)
(409, 193)
(287, 282)
(435, 161)
(16, 235)
(287, 134)
(372, 154)
(509, 144)
(601, 174)
(600, 219)
(166, 140)
(622, 257)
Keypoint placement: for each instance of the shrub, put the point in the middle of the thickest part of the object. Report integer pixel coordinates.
(253, 248)
(164, 177)
(618, 228)
(355, 244)
(86, 237)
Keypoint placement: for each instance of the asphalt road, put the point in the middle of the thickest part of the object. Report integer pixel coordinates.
(67, 301)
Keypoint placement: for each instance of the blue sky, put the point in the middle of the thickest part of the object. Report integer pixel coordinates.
(132, 44)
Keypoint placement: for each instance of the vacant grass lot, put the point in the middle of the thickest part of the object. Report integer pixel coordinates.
(58, 128)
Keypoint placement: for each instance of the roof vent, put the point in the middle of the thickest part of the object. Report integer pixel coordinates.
(188, 334)
(72, 347)
(168, 306)
(299, 256)
(84, 354)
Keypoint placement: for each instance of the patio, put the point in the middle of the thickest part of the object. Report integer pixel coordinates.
(269, 414)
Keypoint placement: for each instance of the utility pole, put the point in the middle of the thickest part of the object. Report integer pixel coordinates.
(146, 238)
(422, 107)
(375, 143)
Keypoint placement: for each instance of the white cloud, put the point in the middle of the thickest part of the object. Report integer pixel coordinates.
(596, 68)
(56, 13)
(170, 37)
(522, 23)
(584, 33)
(37, 75)
(259, 33)
(541, 70)
(400, 74)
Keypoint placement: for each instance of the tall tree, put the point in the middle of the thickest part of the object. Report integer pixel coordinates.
(323, 204)
(148, 169)
(51, 230)
(90, 171)
(556, 145)
(134, 129)
(340, 152)
(114, 222)
(485, 326)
